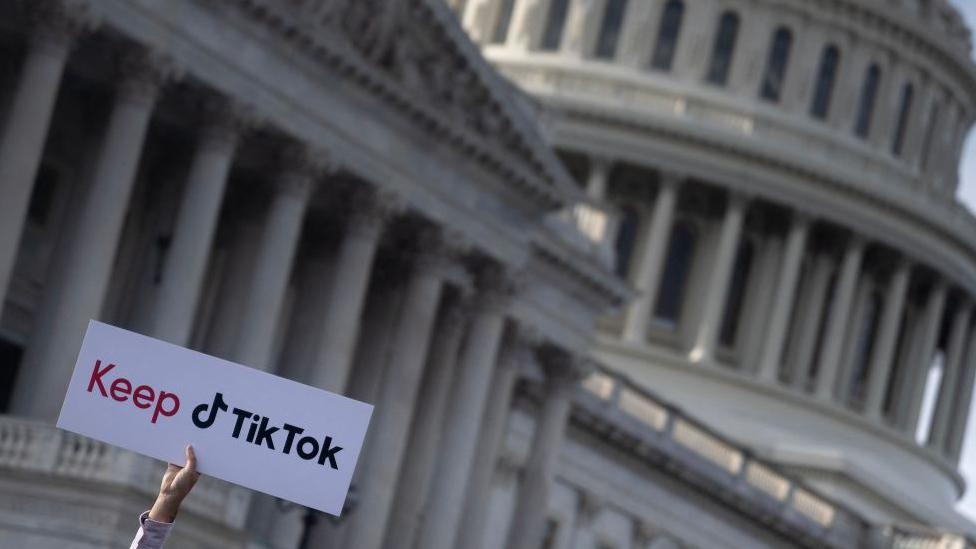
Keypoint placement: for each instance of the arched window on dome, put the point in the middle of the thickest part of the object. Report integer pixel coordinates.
(500, 34)
(555, 23)
(737, 292)
(667, 35)
(929, 136)
(865, 106)
(626, 239)
(826, 77)
(613, 18)
(776, 63)
(904, 111)
(677, 271)
(723, 49)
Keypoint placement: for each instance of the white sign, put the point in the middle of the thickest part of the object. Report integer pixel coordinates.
(248, 427)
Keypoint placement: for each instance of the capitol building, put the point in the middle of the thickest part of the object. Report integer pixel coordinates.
(616, 274)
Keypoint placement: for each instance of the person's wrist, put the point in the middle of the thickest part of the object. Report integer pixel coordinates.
(165, 507)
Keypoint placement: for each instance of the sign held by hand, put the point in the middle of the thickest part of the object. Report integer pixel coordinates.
(248, 427)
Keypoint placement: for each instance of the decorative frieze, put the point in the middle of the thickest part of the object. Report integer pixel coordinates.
(410, 57)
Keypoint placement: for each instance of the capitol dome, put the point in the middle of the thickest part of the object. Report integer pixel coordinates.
(780, 181)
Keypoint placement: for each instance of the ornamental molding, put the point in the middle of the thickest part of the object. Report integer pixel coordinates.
(899, 30)
(412, 55)
(946, 219)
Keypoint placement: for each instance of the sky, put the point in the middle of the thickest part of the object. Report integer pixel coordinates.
(967, 193)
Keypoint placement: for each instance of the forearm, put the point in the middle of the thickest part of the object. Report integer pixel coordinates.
(152, 533)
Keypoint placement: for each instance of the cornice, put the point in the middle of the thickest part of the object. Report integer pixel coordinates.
(608, 291)
(900, 31)
(429, 77)
(945, 217)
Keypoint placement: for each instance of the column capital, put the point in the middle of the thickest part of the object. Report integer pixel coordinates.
(588, 506)
(563, 367)
(494, 283)
(435, 248)
(670, 178)
(370, 209)
(223, 120)
(738, 200)
(299, 169)
(645, 533)
(55, 25)
(801, 219)
(143, 73)
(857, 242)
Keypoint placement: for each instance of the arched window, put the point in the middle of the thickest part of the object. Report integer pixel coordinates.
(626, 240)
(667, 35)
(865, 107)
(555, 23)
(929, 136)
(779, 56)
(677, 269)
(500, 34)
(613, 17)
(826, 76)
(737, 294)
(904, 111)
(723, 49)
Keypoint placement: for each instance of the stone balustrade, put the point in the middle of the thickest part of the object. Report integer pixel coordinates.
(37, 448)
(613, 404)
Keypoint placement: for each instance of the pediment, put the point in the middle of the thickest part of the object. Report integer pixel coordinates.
(414, 54)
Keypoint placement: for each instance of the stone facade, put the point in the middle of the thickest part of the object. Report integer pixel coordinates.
(784, 176)
(346, 193)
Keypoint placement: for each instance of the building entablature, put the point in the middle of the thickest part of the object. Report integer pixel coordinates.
(920, 223)
(778, 75)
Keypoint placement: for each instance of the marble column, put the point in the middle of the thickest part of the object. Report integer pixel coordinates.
(598, 180)
(648, 276)
(50, 357)
(582, 26)
(471, 533)
(233, 284)
(398, 395)
(466, 409)
(945, 405)
(276, 252)
(640, 28)
(716, 291)
(809, 315)
(196, 222)
(853, 339)
(413, 485)
(528, 21)
(964, 396)
(348, 292)
(837, 323)
(886, 342)
(779, 317)
(528, 521)
(588, 509)
(921, 363)
(22, 141)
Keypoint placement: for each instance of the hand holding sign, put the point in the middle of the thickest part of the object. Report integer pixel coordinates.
(175, 486)
(251, 428)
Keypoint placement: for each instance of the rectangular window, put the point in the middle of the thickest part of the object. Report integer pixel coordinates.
(613, 17)
(555, 23)
(500, 34)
